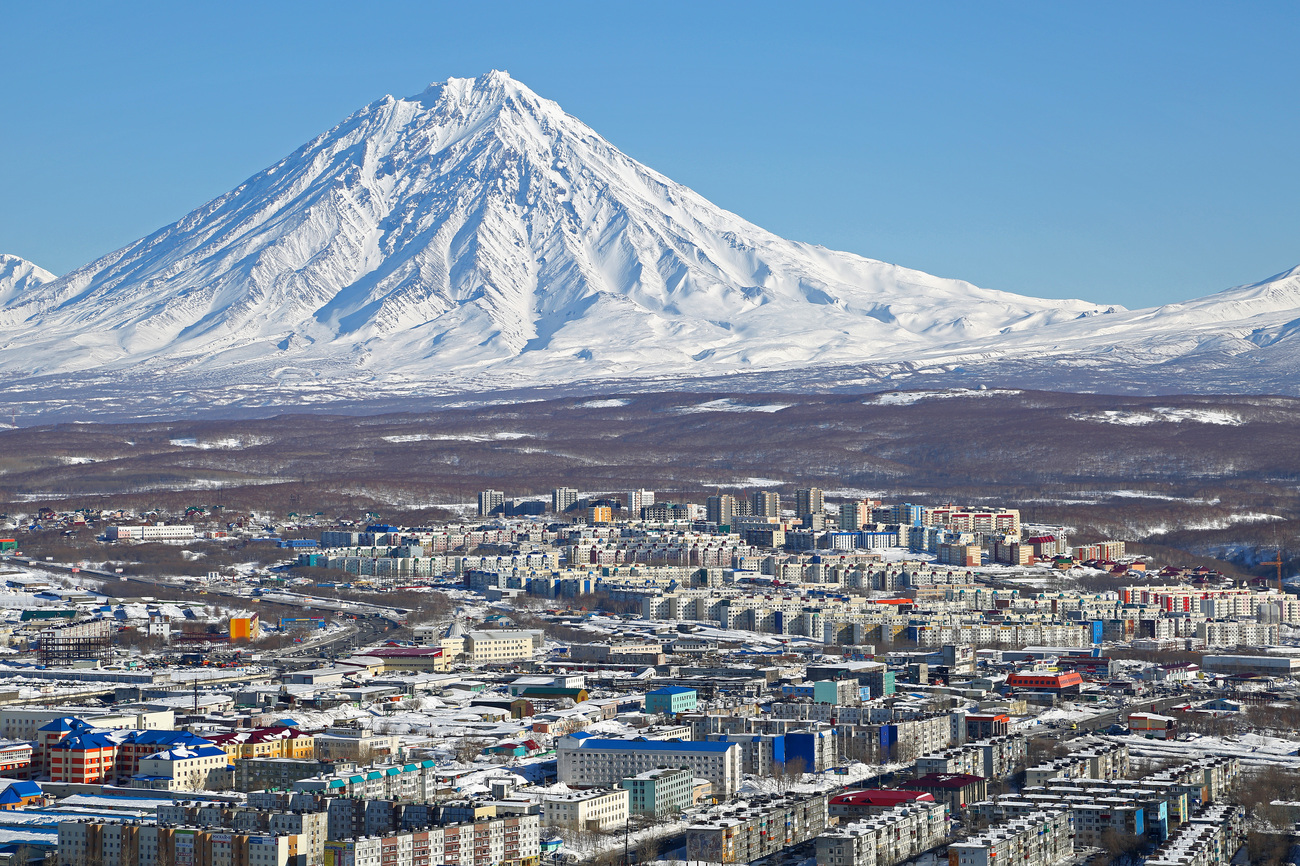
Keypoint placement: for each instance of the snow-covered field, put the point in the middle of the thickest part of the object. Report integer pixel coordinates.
(907, 398)
(729, 405)
(1253, 750)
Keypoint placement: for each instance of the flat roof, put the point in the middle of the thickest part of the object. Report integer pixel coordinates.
(656, 745)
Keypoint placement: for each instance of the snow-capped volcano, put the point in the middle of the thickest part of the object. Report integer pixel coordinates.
(475, 236)
(477, 226)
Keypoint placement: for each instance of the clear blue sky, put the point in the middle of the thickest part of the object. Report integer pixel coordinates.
(1133, 153)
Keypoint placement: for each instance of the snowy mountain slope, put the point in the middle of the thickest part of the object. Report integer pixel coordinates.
(1261, 320)
(474, 237)
(19, 276)
(477, 228)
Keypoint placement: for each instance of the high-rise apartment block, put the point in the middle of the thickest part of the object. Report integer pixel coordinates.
(563, 498)
(809, 500)
(765, 503)
(638, 499)
(491, 502)
(721, 509)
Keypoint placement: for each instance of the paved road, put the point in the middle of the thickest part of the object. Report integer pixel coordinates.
(1106, 719)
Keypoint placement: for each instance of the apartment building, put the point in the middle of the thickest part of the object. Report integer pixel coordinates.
(892, 836)
(994, 758)
(151, 533)
(185, 768)
(1211, 778)
(563, 499)
(591, 762)
(311, 828)
(1106, 760)
(1094, 818)
(415, 782)
(511, 841)
(1037, 839)
(349, 741)
(958, 759)
(757, 827)
(491, 502)
(1005, 521)
(92, 843)
(494, 645)
(1211, 838)
(765, 503)
(1216, 634)
(587, 810)
(660, 793)
(808, 501)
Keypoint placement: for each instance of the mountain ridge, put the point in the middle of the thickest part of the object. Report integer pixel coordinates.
(474, 236)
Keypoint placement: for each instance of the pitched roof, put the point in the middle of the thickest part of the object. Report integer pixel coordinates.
(183, 753)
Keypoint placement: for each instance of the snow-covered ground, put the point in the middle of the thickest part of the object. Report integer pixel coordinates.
(1131, 418)
(1253, 750)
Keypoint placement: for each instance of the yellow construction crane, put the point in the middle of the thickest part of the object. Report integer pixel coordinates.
(1278, 563)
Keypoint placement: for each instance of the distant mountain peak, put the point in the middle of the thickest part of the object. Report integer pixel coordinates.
(18, 276)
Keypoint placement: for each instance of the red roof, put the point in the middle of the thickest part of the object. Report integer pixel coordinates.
(1044, 680)
(880, 797)
(258, 735)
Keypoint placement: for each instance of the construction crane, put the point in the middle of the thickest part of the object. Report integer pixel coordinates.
(1278, 563)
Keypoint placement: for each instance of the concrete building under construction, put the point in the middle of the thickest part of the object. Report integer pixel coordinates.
(87, 639)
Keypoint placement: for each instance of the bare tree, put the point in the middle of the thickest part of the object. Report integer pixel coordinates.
(789, 773)
(469, 748)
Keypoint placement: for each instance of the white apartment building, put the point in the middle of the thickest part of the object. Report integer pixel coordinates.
(22, 723)
(87, 843)
(180, 532)
(1038, 839)
(185, 768)
(891, 837)
(512, 840)
(586, 761)
(638, 499)
(587, 810)
(1233, 633)
(496, 645)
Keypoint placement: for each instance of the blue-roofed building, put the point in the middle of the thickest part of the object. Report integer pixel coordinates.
(184, 768)
(670, 700)
(84, 754)
(16, 795)
(587, 761)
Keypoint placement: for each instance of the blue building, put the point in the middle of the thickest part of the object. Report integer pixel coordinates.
(670, 700)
